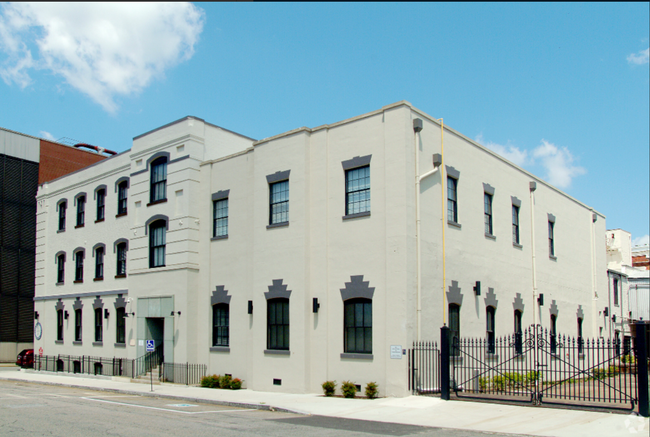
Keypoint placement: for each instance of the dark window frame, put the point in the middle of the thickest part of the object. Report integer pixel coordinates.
(615, 286)
(122, 198)
(452, 199)
(60, 273)
(157, 243)
(121, 260)
(78, 324)
(99, 263)
(79, 266)
(518, 332)
(357, 190)
(59, 325)
(277, 331)
(553, 333)
(551, 238)
(490, 328)
(63, 206)
(101, 204)
(279, 202)
(487, 213)
(120, 325)
(158, 180)
(81, 211)
(515, 224)
(454, 329)
(580, 340)
(220, 221)
(99, 325)
(221, 325)
(356, 326)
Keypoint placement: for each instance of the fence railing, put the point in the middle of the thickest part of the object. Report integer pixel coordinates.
(180, 373)
(424, 368)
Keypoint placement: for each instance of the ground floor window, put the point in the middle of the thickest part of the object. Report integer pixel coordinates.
(358, 326)
(277, 334)
(454, 328)
(120, 326)
(220, 324)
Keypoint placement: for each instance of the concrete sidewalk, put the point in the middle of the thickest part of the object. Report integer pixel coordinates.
(412, 410)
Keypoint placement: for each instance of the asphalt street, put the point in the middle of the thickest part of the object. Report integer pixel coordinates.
(35, 409)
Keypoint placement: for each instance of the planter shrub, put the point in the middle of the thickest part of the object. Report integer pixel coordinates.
(372, 390)
(225, 381)
(210, 381)
(236, 384)
(349, 389)
(329, 387)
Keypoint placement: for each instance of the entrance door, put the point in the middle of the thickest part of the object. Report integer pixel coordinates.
(155, 330)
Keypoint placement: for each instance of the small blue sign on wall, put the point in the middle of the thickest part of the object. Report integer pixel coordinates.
(150, 345)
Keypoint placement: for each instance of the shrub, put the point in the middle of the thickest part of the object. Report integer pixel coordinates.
(482, 383)
(349, 389)
(236, 384)
(225, 381)
(372, 390)
(514, 379)
(599, 373)
(329, 387)
(210, 381)
(532, 377)
(499, 382)
(628, 359)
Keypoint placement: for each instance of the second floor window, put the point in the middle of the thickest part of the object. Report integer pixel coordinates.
(99, 263)
(157, 243)
(101, 200)
(62, 207)
(220, 214)
(452, 202)
(79, 267)
(60, 270)
(279, 202)
(121, 198)
(81, 210)
(357, 190)
(515, 224)
(551, 238)
(487, 213)
(121, 259)
(158, 180)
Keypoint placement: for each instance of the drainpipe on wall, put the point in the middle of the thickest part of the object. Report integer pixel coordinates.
(533, 186)
(417, 127)
(594, 282)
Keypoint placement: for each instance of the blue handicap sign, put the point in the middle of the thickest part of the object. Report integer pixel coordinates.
(150, 346)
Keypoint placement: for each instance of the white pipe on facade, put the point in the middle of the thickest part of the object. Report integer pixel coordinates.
(532, 245)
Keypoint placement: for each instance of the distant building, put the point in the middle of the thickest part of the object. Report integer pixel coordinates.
(25, 162)
(312, 255)
(641, 257)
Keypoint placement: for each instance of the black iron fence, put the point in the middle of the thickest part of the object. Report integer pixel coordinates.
(183, 373)
(424, 368)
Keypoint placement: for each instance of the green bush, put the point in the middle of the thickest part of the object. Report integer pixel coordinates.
(629, 359)
(532, 377)
(599, 373)
(236, 384)
(514, 379)
(225, 381)
(372, 390)
(210, 381)
(329, 387)
(349, 389)
(499, 382)
(483, 383)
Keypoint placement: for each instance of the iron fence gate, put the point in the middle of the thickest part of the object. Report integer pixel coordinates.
(536, 366)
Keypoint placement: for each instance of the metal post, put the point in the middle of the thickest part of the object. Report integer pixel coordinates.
(642, 369)
(444, 363)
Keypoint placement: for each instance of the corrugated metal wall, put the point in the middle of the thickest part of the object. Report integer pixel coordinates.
(640, 301)
(18, 185)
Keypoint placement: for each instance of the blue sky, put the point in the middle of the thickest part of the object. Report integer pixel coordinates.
(560, 89)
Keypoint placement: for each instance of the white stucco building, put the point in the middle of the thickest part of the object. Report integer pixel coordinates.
(294, 260)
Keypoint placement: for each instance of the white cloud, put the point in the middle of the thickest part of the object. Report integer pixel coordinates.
(47, 135)
(558, 163)
(511, 153)
(640, 58)
(641, 241)
(101, 49)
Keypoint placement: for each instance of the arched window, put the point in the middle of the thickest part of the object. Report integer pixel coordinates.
(454, 328)
(220, 324)
(60, 268)
(489, 329)
(99, 263)
(59, 325)
(81, 211)
(157, 232)
(77, 324)
(518, 333)
(277, 319)
(101, 201)
(62, 208)
(121, 260)
(158, 180)
(358, 326)
(122, 197)
(79, 266)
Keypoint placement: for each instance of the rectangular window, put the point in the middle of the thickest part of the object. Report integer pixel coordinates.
(220, 324)
(121, 259)
(487, 213)
(120, 326)
(59, 325)
(491, 345)
(454, 329)
(551, 243)
(615, 291)
(452, 202)
(357, 190)
(60, 274)
(358, 326)
(81, 208)
(79, 267)
(220, 217)
(158, 180)
(121, 198)
(277, 324)
(77, 325)
(157, 244)
(515, 224)
(62, 208)
(99, 263)
(101, 200)
(279, 202)
(99, 324)
(553, 334)
(518, 333)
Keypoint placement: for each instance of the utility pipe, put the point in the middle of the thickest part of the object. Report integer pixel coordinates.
(533, 187)
(443, 181)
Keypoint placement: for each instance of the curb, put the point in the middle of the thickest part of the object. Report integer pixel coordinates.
(264, 407)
